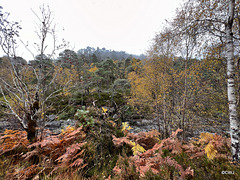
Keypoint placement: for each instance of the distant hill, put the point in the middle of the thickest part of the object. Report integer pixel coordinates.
(103, 53)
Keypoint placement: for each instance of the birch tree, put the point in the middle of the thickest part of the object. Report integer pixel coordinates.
(161, 61)
(232, 101)
(218, 23)
(187, 40)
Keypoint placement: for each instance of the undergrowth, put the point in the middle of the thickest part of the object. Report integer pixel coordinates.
(106, 151)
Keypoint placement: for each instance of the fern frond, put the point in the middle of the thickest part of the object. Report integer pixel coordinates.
(12, 140)
(27, 173)
(120, 141)
(210, 151)
(77, 162)
(137, 148)
(206, 137)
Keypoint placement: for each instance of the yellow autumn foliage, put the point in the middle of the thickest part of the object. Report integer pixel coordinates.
(104, 110)
(137, 148)
(206, 137)
(94, 69)
(211, 140)
(66, 92)
(68, 129)
(210, 151)
(66, 76)
(126, 127)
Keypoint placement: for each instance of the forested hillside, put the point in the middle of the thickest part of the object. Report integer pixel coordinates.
(105, 114)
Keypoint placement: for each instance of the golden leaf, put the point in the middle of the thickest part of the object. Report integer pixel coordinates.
(137, 148)
(125, 126)
(210, 151)
(104, 110)
(93, 69)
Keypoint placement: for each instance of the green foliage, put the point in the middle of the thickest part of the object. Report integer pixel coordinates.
(126, 112)
(101, 154)
(102, 98)
(121, 83)
(83, 118)
(81, 114)
(94, 111)
(68, 112)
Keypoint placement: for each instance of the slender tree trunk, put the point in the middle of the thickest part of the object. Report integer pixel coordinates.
(158, 118)
(164, 116)
(164, 104)
(232, 102)
(184, 97)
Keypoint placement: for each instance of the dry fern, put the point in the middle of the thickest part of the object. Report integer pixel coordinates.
(152, 160)
(214, 144)
(12, 140)
(52, 152)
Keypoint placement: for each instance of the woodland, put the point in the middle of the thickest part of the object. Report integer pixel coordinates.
(187, 84)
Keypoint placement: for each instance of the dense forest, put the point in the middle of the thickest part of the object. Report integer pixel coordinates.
(105, 114)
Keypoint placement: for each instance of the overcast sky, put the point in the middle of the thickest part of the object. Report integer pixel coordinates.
(122, 25)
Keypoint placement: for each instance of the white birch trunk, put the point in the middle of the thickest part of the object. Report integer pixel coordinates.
(232, 101)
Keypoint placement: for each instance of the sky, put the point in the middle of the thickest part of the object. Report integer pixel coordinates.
(121, 25)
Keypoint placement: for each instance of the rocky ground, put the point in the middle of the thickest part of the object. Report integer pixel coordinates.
(53, 125)
(195, 128)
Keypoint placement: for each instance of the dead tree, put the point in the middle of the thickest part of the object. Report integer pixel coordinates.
(27, 102)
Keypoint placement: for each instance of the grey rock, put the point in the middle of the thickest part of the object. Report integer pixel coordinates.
(115, 116)
(53, 124)
(51, 117)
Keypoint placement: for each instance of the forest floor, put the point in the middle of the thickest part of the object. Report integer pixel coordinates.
(108, 150)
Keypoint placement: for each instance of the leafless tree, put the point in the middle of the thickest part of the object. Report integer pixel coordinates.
(26, 101)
